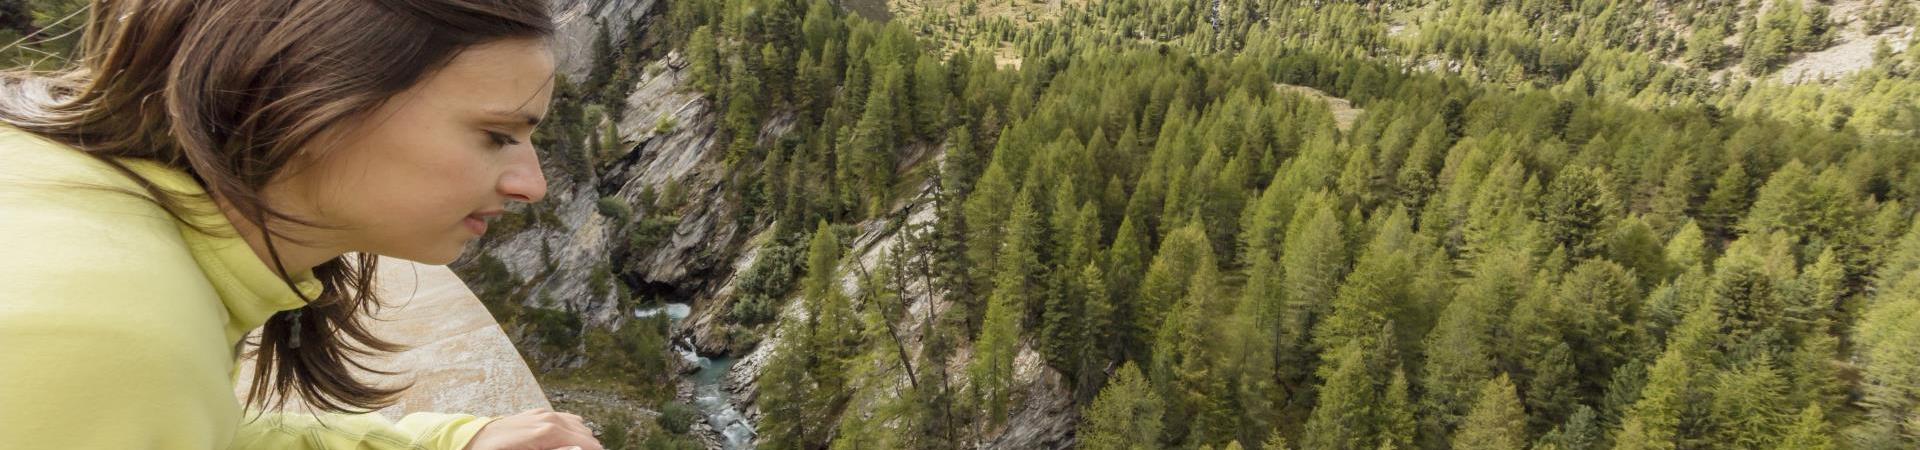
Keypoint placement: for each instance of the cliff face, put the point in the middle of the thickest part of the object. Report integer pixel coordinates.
(683, 158)
(557, 261)
(1044, 414)
(580, 20)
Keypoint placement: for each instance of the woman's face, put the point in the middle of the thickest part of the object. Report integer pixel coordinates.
(419, 177)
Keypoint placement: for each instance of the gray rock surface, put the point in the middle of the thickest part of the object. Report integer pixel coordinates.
(580, 21)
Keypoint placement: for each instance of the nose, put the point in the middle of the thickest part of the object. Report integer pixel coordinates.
(523, 181)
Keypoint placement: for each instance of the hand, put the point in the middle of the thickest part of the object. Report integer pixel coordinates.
(539, 429)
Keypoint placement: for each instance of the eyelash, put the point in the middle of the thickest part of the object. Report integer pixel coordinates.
(501, 139)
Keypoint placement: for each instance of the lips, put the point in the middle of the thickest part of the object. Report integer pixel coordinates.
(475, 224)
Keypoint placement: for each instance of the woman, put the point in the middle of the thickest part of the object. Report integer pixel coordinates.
(213, 166)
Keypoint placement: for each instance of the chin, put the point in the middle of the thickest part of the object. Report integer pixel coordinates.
(428, 256)
(438, 260)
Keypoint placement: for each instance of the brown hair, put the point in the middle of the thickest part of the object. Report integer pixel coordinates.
(232, 92)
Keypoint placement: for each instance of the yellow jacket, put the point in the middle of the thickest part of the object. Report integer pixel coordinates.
(118, 324)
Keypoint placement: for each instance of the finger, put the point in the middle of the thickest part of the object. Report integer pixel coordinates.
(571, 429)
(565, 421)
(583, 441)
(575, 423)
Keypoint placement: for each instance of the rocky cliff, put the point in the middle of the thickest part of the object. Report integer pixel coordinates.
(581, 20)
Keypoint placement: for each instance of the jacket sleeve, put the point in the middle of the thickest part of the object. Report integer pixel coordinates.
(371, 431)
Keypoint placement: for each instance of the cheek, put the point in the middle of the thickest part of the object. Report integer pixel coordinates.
(409, 188)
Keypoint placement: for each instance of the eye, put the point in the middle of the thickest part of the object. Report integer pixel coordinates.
(502, 139)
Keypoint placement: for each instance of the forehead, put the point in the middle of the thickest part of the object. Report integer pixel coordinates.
(506, 75)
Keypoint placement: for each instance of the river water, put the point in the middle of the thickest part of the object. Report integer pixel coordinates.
(708, 393)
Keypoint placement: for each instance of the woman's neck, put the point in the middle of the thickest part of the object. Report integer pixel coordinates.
(295, 257)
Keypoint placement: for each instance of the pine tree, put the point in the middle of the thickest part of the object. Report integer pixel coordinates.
(1094, 328)
(1497, 218)
(1415, 180)
(1398, 424)
(604, 59)
(809, 87)
(999, 342)
(1687, 248)
(1263, 224)
(1223, 206)
(1814, 372)
(1810, 29)
(1311, 264)
(1377, 292)
(818, 25)
(1672, 392)
(1186, 357)
(1732, 193)
(1582, 431)
(1076, 234)
(1749, 406)
(948, 254)
(964, 163)
(1820, 289)
(1168, 279)
(1126, 265)
(775, 63)
(834, 328)
(703, 57)
(1764, 54)
(1746, 299)
(1889, 364)
(1704, 47)
(1461, 349)
(1903, 257)
(806, 380)
(1579, 207)
(1810, 432)
(930, 93)
(1552, 388)
(1343, 416)
(985, 215)
(821, 288)
(1599, 307)
(1496, 421)
(1125, 416)
(784, 393)
(740, 128)
(1623, 390)
(1261, 378)
(1673, 204)
(872, 147)
(1634, 245)
(1356, 183)
(1277, 442)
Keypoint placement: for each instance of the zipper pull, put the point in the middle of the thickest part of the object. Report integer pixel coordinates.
(296, 328)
